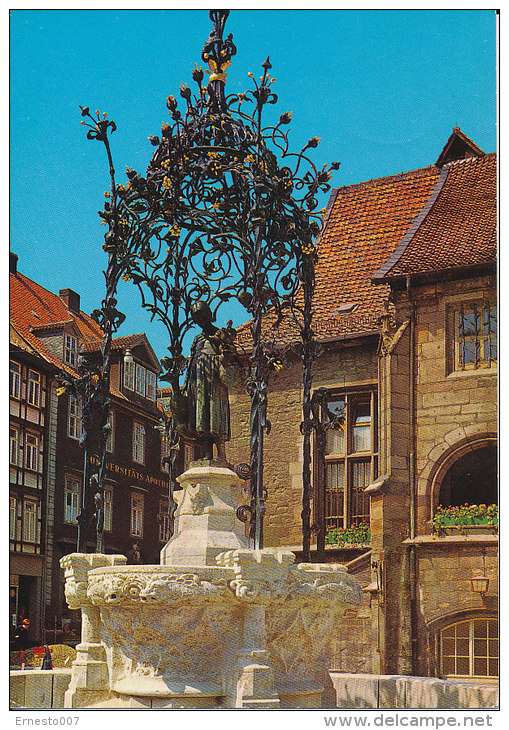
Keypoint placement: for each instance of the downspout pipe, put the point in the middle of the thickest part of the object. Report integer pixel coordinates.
(412, 555)
(412, 406)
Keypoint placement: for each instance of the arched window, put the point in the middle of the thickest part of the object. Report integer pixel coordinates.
(469, 648)
(472, 479)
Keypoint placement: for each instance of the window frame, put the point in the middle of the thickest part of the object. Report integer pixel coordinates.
(137, 514)
(30, 450)
(34, 388)
(140, 379)
(108, 508)
(150, 385)
(13, 517)
(129, 375)
(14, 445)
(138, 450)
(74, 413)
(343, 511)
(70, 349)
(110, 441)
(479, 337)
(72, 481)
(472, 655)
(164, 521)
(14, 380)
(165, 451)
(29, 532)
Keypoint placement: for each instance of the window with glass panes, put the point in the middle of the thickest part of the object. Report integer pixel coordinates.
(70, 349)
(151, 385)
(137, 509)
(129, 368)
(34, 388)
(72, 499)
(30, 521)
(32, 452)
(13, 517)
(108, 508)
(74, 420)
(164, 522)
(14, 379)
(476, 336)
(470, 649)
(109, 440)
(140, 379)
(13, 446)
(138, 443)
(350, 458)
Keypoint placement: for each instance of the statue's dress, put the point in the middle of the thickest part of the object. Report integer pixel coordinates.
(207, 395)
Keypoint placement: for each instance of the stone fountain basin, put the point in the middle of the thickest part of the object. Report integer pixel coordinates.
(179, 630)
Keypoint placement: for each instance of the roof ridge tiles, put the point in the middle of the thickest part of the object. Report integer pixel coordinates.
(389, 178)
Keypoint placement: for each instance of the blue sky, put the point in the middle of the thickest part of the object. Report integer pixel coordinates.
(382, 88)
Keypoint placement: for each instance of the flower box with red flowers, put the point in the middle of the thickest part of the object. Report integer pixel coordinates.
(465, 518)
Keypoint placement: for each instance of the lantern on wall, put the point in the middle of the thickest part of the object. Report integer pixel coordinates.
(479, 584)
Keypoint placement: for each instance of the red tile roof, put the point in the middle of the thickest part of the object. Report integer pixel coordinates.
(366, 222)
(35, 309)
(126, 341)
(117, 343)
(434, 218)
(33, 306)
(459, 230)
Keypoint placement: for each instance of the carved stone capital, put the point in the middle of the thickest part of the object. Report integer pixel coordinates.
(76, 567)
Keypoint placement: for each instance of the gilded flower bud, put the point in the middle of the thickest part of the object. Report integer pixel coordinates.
(197, 74)
(185, 91)
(313, 142)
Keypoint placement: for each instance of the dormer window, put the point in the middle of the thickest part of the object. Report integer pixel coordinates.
(70, 350)
(138, 378)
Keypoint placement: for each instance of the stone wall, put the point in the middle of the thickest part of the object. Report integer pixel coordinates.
(38, 688)
(353, 365)
(350, 366)
(445, 567)
(455, 411)
(452, 406)
(371, 691)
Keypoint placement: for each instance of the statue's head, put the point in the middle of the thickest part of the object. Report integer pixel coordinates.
(201, 313)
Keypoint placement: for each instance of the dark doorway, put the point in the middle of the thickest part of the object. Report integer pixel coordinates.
(472, 479)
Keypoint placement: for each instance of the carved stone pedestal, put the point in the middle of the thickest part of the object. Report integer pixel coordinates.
(205, 520)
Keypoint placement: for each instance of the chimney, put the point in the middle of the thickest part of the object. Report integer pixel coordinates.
(70, 299)
(13, 263)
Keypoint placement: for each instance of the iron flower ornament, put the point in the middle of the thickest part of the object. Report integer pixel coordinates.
(224, 211)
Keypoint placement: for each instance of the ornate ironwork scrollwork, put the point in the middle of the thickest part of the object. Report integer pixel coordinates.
(225, 211)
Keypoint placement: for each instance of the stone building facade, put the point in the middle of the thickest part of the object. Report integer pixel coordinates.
(405, 312)
(47, 334)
